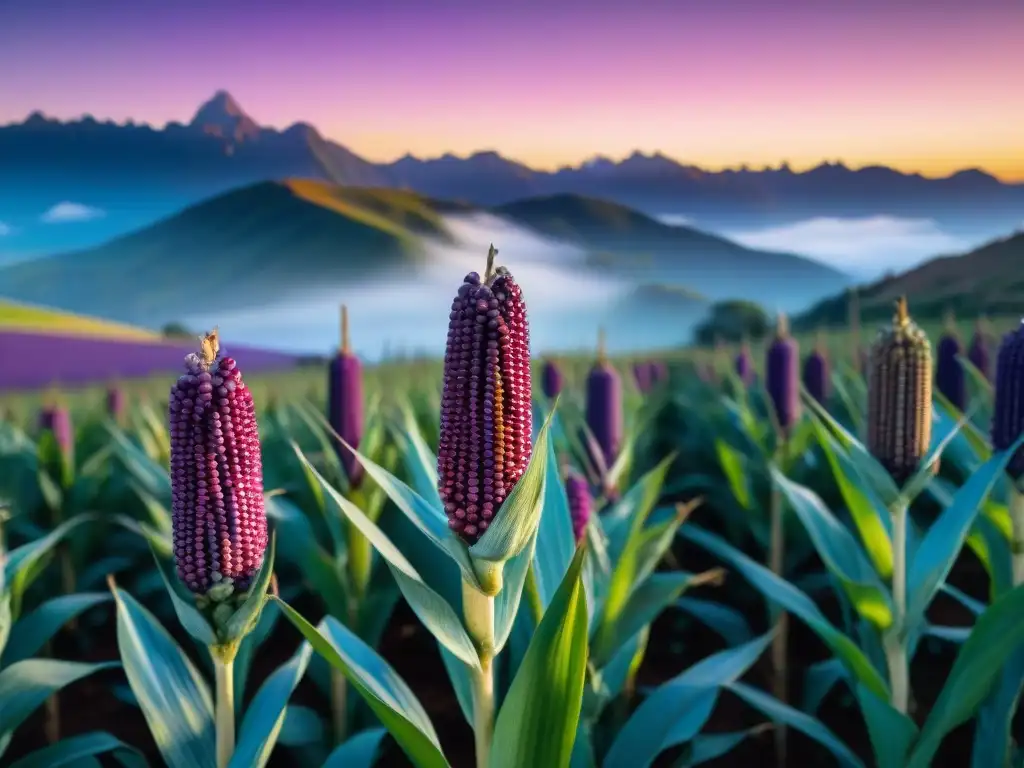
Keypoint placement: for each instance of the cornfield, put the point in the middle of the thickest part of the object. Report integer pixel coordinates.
(659, 563)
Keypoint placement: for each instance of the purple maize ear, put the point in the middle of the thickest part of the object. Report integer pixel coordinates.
(486, 407)
(219, 521)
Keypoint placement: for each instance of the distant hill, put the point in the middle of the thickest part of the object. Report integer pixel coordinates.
(631, 243)
(247, 247)
(29, 318)
(985, 281)
(137, 174)
(273, 241)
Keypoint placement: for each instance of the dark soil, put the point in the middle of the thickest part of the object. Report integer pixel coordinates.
(90, 705)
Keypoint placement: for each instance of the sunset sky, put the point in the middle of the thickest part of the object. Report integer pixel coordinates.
(924, 85)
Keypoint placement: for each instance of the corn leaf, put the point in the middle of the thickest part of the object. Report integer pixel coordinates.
(646, 602)
(433, 610)
(890, 732)
(26, 684)
(676, 711)
(726, 622)
(515, 523)
(508, 600)
(993, 740)
(35, 629)
(297, 543)
(420, 461)
(76, 749)
(538, 718)
(945, 538)
(555, 545)
(628, 515)
(461, 677)
(22, 558)
(245, 617)
(358, 752)
(869, 515)
(428, 518)
(780, 591)
(870, 472)
(840, 552)
(819, 680)
(249, 645)
(709, 747)
(302, 726)
(150, 475)
(172, 695)
(997, 635)
(265, 715)
(184, 607)
(391, 700)
(783, 714)
(733, 464)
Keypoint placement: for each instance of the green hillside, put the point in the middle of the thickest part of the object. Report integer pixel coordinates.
(984, 281)
(622, 238)
(15, 316)
(242, 248)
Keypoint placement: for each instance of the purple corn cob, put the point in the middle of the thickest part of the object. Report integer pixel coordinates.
(577, 493)
(604, 406)
(949, 374)
(220, 526)
(782, 376)
(115, 403)
(57, 421)
(642, 375)
(817, 380)
(345, 403)
(745, 365)
(979, 353)
(1008, 413)
(486, 416)
(551, 379)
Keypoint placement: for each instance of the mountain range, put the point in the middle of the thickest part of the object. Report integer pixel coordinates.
(985, 281)
(271, 244)
(137, 174)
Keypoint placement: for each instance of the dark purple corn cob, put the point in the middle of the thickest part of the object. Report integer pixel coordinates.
(900, 397)
(57, 421)
(551, 381)
(817, 378)
(345, 403)
(642, 376)
(220, 526)
(782, 376)
(950, 377)
(604, 406)
(979, 352)
(486, 415)
(745, 365)
(577, 492)
(115, 403)
(1008, 413)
